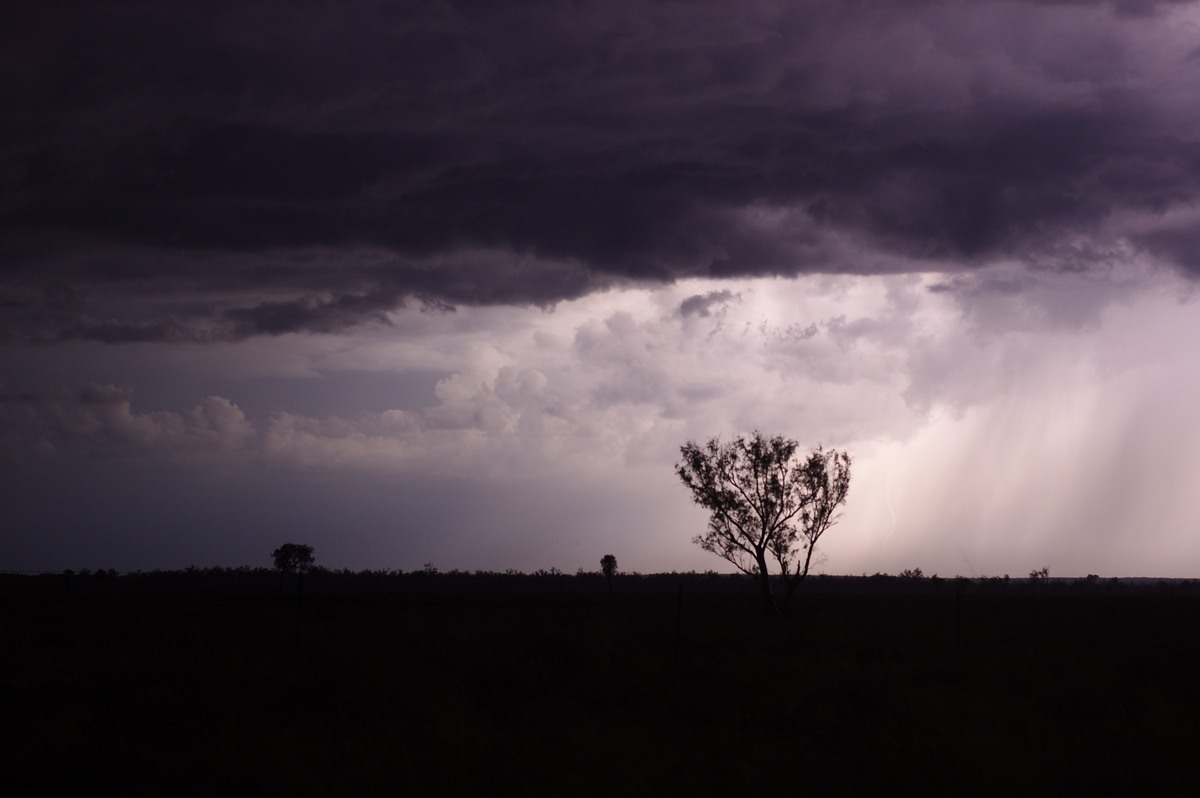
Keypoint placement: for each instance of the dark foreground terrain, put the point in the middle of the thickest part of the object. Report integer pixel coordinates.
(189, 689)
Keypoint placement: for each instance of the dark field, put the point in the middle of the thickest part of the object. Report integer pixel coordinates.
(143, 690)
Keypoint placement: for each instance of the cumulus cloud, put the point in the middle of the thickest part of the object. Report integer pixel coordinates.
(585, 384)
(101, 419)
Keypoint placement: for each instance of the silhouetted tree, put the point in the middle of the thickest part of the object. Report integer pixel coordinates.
(766, 502)
(608, 564)
(293, 558)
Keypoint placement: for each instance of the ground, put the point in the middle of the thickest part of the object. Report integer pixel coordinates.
(198, 689)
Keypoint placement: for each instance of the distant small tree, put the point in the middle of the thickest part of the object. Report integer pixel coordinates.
(766, 501)
(912, 573)
(608, 564)
(293, 558)
(1039, 575)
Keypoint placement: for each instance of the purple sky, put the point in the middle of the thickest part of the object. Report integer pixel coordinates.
(452, 282)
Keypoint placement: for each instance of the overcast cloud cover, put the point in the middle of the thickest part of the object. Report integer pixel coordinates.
(451, 282)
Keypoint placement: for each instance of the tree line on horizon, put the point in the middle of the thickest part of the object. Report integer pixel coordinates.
(322, 579)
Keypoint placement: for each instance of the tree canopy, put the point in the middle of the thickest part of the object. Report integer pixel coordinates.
(293, 558)
(608, 564)
(766, 502)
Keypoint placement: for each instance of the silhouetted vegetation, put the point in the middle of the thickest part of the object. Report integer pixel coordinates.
(608, 566)
(765, 502)
(331, 580)
(293, 558)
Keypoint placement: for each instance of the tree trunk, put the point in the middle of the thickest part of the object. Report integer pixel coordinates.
(764, 584)
(299, 602)
(795, 579)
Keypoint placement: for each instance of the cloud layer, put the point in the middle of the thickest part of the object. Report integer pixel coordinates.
(185, 174)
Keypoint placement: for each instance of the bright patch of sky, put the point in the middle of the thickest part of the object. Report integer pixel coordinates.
(999, 421)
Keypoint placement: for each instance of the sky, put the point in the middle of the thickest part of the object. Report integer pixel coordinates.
(452, 282)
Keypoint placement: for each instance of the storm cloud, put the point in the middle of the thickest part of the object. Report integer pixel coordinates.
(453, 281)
(287, 167)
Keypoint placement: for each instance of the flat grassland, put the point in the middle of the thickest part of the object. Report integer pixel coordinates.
(196, 691)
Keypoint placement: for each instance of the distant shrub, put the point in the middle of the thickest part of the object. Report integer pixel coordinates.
(608, 565)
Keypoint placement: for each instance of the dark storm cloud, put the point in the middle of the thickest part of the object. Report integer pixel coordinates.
(532, 152)
(115, 332)
(277, 318)
(701, 304)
